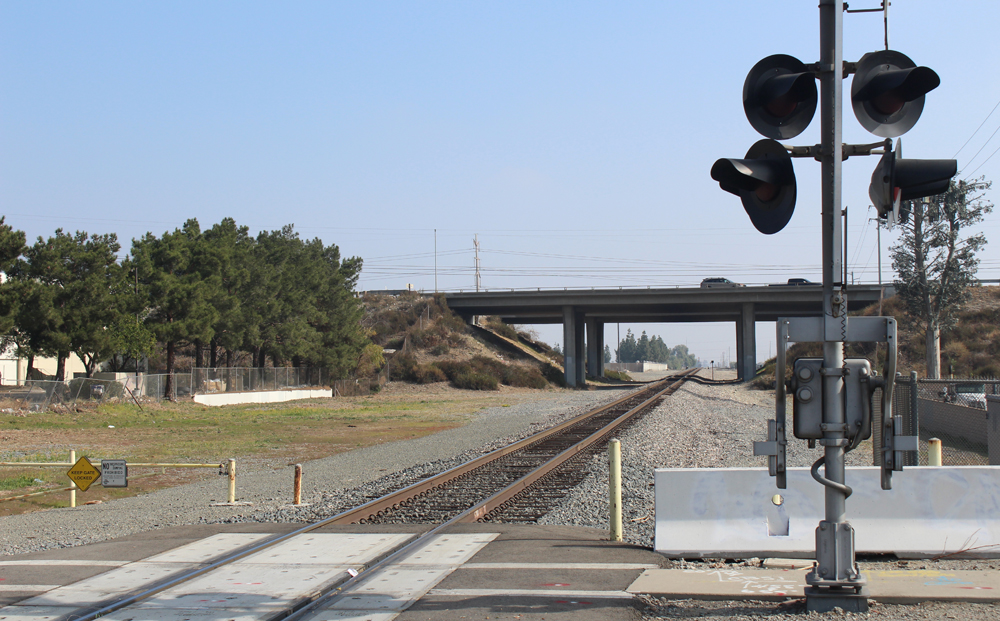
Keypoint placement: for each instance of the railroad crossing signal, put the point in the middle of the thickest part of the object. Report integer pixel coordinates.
(888, 92)
(779, 96)
(764, 181)
(895, 180)
(779, 99)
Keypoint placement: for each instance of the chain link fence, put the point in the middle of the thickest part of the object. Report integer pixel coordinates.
(360, 387)
(43, 395)
(954, 411)
(239, 379)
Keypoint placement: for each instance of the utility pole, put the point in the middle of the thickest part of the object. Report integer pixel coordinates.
(435, 260)
(479, 278)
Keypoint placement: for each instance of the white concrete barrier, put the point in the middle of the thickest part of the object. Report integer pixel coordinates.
(264, 396)
(729, 512)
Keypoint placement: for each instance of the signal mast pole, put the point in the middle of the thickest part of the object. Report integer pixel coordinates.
(836, 573)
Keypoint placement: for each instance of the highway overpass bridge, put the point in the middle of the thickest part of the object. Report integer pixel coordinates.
(583, 313)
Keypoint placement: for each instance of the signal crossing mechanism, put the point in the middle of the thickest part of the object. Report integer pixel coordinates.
(779, 99)
(832, 396)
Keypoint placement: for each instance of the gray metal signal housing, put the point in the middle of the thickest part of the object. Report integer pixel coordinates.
(807, 395)
(860, 386)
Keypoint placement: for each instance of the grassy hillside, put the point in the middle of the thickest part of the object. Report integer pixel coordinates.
(433, 344)
(970, 349)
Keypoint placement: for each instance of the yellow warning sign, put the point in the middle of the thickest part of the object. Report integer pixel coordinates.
(84, 474)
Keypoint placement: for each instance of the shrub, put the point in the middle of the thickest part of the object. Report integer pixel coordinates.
(454, 368)
(555, 375)
(476, 381)
(617, 375)
(428, 374)
(524, 377)
(488, 366)
(501, 328)
(443, 315)
(402, 366)
(440, 349)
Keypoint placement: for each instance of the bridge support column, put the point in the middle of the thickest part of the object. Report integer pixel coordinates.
(746, 343)
(600, 349)
(595, 351)
(581, 350)
(569, 345)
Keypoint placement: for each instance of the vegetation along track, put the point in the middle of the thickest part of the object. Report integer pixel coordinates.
(517, 483)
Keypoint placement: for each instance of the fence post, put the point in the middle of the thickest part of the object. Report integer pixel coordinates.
(231, 470)
(615, 488)
(993, 429)
(72, 484)
(297, 486)
(934, 452)
(914, 418)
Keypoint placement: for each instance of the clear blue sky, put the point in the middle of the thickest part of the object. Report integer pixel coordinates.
(575, 138)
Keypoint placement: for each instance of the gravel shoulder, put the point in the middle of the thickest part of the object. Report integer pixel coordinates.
(329, 485)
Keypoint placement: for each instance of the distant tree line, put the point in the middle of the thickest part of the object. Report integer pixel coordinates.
(275, 296)
(654, 349)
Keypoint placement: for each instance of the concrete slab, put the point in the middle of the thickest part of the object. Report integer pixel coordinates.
(211, 614)
(787, 563)
(108, 584)
(339, 549)
(247, 587)
(40, 613)
(729, 512)
(204, 550)
(398, 586)
(890, 586)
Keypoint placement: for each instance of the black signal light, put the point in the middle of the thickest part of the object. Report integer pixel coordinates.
(765, 182)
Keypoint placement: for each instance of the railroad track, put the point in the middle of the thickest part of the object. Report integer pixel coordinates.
(521, 481)
(517, 483)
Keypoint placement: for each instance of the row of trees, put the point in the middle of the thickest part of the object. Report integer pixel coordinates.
(654, 350)
(274, 295)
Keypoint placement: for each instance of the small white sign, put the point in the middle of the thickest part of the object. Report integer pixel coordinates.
(114, 473)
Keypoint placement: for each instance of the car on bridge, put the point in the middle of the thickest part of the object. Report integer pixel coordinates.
(711, 283)
(794, 282)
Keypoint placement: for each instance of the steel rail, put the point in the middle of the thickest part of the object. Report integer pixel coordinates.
(337, 592)
(334, 589)
(496, 501)
(373, 507)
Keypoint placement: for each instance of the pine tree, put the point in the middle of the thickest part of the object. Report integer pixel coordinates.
(11, 247)
(934, 264)
(177, 297)
(67, 287)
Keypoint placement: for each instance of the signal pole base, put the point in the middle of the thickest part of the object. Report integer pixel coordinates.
(848, 599)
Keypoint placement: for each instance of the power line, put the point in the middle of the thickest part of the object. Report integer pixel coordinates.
(972, 159)
(977, 131)
(984, 162)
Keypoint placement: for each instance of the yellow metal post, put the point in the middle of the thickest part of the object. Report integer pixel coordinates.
(615, 488)
(231, 470)
(72, 489)
(934, 452)
(297, 488)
